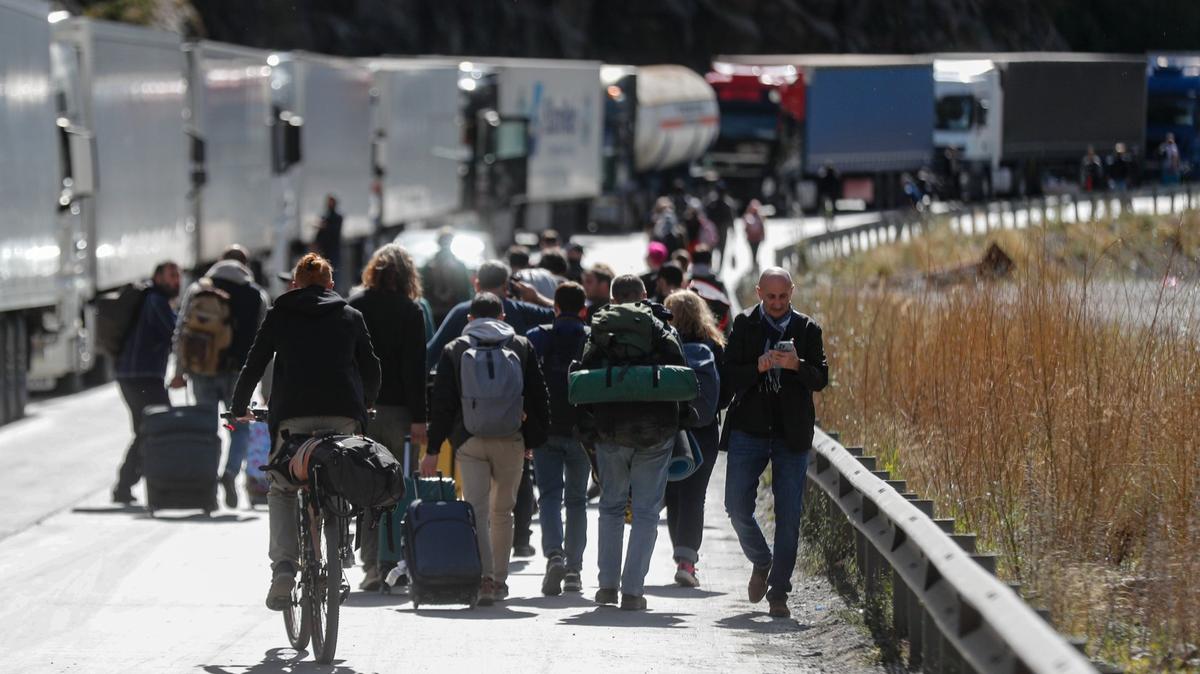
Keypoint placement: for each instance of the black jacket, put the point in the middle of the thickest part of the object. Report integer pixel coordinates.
(445, 405)
(633, 424)
(324, 363)
(788, 414)
(397, 327)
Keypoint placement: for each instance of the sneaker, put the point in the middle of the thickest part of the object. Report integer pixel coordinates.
(572, 582)
(556, 569)
(778, 608)
(499, 590)
(487, 592)
(757, 588)
(606, 595)
(279, 597)
(685, 575)
(123, 497)
(231, 497)
(371, 582)
(524, 550)
(633, 602)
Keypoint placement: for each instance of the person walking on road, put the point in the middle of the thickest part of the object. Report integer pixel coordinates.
(489, 400)
(1172, 161)
(326, 378)
(685, 499)
(561, 465)
(247, 304)
(141, 368)
(709, 286)
(720, 210)
(387, 301)
(444, 278)
(493, 277)
(774, 361)
(328, 241)
(633, 441)
(756, 230)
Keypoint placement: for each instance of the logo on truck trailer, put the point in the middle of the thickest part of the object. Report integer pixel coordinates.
(549, 116)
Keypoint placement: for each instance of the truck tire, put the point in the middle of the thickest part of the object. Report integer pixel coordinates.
(13, 366)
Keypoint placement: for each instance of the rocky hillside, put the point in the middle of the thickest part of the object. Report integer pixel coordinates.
(681, 31)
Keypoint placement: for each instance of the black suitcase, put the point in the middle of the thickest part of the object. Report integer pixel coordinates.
(181, 452)
(441, 553)
(391, 526)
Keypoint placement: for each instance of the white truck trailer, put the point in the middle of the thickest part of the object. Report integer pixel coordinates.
(33, 254)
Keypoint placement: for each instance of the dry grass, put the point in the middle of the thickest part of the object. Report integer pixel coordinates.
(1057, 414)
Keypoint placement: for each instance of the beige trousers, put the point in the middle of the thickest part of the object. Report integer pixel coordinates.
(490, 470)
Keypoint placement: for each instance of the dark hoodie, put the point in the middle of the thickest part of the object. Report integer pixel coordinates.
(324, 363)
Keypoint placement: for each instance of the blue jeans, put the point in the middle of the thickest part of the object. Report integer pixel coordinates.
(219, 389)
(746, 460)
(562, 468)
(625, 473)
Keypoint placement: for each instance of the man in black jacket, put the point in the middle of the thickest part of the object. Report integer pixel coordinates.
(774, 362)
(490, 463)
(633, 443)
(326, 378)
(248, 304)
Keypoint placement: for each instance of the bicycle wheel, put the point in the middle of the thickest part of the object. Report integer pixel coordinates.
(326, 600)
(295, 621)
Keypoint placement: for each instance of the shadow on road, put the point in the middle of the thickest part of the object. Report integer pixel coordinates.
(280, 661)
(201, 518)
(566, 600)
(678, 592)
(115, 509)
(610, 616)
(375, 599)
(464, 613)
(755, 621)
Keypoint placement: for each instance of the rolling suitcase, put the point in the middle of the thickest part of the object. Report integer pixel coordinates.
(391, 538)
(180, 455)
(258, 453)
(441, 552)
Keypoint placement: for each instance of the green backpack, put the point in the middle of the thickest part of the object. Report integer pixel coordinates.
(624, 333)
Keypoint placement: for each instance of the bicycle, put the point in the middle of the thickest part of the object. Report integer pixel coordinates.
(313, 613)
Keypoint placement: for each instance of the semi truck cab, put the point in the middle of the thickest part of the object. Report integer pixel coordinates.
(967, 131)
(1172, 88)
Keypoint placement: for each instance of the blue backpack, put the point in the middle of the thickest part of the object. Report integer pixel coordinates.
(702, 361)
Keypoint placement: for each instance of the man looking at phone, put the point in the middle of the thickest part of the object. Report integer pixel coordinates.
(774, 362)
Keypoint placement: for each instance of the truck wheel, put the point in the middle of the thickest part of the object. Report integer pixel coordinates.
(15, 359)
(5, 406)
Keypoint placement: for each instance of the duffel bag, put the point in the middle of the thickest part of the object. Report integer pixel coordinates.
(633, 383)
(359, 470)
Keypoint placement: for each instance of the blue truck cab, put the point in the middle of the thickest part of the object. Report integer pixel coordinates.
(1172, 93)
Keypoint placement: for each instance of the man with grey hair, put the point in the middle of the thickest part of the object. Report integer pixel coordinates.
(774, 361)
(492, 277)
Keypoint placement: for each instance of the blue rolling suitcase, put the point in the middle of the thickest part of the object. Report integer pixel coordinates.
(391, 538)
(181, 453)
(441, 552)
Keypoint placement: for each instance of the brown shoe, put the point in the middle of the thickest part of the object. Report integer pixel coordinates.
(779, 608)
(757, 589)
(487, 592)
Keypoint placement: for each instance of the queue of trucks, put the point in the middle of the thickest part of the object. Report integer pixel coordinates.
(122, 146)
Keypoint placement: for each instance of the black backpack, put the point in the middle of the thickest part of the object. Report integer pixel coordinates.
(116, 313)
(561, 352)
(359, 470)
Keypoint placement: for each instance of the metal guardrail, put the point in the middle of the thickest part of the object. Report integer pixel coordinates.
(971, 218)
(946, 600)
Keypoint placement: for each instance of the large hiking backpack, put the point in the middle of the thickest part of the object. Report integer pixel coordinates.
(624, 333)
(492, 382)
(207, 330)
(561, 351)
(116, 314)
(702, 361)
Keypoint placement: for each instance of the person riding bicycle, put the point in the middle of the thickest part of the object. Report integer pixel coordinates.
(326, 378)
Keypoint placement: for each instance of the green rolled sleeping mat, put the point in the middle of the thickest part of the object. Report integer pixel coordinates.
(632, 383)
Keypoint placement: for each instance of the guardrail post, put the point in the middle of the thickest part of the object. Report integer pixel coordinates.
(901, 596)
(931, 638)
(1154, 199)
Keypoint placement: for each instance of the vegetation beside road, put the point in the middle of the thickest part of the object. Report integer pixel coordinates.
(1058, 426)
